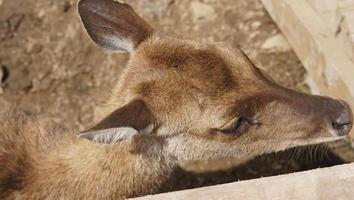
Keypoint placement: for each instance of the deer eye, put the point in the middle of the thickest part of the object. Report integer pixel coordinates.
(239, 126)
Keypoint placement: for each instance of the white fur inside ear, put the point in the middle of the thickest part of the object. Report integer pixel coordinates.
(117, 43)
(110, 136)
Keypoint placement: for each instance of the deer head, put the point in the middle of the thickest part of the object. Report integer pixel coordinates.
(202, 99)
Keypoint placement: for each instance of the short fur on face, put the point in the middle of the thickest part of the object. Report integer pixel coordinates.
(195, 89)
(205, 99)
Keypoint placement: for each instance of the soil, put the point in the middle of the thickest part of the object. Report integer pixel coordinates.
(50, 67)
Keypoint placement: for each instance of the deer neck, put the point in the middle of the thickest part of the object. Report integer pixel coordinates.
(85, 170)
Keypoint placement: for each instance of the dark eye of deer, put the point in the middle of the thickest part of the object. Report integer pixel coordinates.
(239, 126)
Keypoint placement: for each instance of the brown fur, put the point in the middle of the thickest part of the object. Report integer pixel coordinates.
(41, 160)
(189, 93)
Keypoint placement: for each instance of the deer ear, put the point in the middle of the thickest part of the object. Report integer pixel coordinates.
(113, 25)
(125, 122)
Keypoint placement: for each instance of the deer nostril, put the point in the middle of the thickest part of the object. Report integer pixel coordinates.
(344, 122)
(342, 129)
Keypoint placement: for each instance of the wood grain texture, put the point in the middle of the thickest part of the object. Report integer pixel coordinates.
(319, 184)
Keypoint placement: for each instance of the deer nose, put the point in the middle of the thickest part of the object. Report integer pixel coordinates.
(342, 124)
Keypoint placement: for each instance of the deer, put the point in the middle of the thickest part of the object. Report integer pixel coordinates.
(176, 100)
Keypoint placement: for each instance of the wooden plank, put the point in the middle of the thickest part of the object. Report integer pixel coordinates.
(328, 9)
(346, 32)
(323, 55)
(319, 184)
(338, 15)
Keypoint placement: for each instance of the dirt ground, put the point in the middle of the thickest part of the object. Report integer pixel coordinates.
(50, 67)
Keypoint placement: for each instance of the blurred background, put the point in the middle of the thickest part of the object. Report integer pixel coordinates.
(49, 66)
